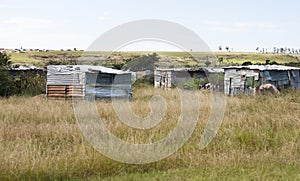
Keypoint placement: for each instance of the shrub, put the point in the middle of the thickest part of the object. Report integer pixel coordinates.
(247, 63)
(190, 84)
(7, 84)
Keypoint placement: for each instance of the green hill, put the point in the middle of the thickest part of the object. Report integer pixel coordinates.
(148, 60)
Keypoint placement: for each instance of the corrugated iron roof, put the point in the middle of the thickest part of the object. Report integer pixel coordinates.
(179, 69)
(26, 68)
(263, 67)
(215, 70)
(83, 68)
(212, 70)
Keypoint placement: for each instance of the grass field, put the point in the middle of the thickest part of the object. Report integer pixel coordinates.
(239, 58)
(259, 140)
(181, 58)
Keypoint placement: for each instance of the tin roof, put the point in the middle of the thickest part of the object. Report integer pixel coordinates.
(215, 70)
(179, 69)
(26, 68)
(263, 67)
(83, 68)
(212, 70)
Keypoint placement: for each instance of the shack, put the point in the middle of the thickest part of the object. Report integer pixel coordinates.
(166, 78)
(248, 79)
(85, 81)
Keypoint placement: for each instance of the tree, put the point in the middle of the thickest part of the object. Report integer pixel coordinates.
(207, 63)
(4, 60)
(220, 59)
(227, 48)
(7, 84)
(275, 49)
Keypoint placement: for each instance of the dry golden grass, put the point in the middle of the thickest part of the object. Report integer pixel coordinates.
(40, 140)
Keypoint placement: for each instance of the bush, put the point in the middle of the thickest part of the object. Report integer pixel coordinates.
(4, 60)
(7, 84)
(190, 84)
(144, 82)
(247, 63)
(274, 63)
(30, 83)
(20, 83)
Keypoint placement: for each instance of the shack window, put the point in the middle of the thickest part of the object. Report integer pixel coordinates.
(251, 82)
(104, 78)
(94, 78)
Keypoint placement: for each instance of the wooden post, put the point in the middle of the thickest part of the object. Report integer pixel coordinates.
(230, 82)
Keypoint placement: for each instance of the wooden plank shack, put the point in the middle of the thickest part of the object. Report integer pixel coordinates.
(248, 79)
(85, 81)
(167, 78)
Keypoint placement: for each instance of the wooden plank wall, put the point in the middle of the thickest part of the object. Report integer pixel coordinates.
(65, 91)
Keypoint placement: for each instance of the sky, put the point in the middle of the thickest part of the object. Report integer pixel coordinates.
(63, 24)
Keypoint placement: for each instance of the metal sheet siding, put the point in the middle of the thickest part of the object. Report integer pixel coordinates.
(108, 85)
(63, 79)
(234, 81)
(113, 91)
(295, 79)
(93, 82)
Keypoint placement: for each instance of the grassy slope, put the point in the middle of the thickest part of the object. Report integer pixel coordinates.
(259, 139)
(40, 58)
(36, 58)
(238, 58)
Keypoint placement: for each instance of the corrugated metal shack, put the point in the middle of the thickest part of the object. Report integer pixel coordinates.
(83, 81)
(165, 78)
(247, 79)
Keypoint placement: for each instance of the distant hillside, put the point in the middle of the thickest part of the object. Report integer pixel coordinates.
(147, 60)
(257, 58)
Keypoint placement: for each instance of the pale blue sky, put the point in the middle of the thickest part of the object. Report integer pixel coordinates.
(242, 25)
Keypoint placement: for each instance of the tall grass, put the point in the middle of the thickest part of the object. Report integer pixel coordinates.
(40, 140)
